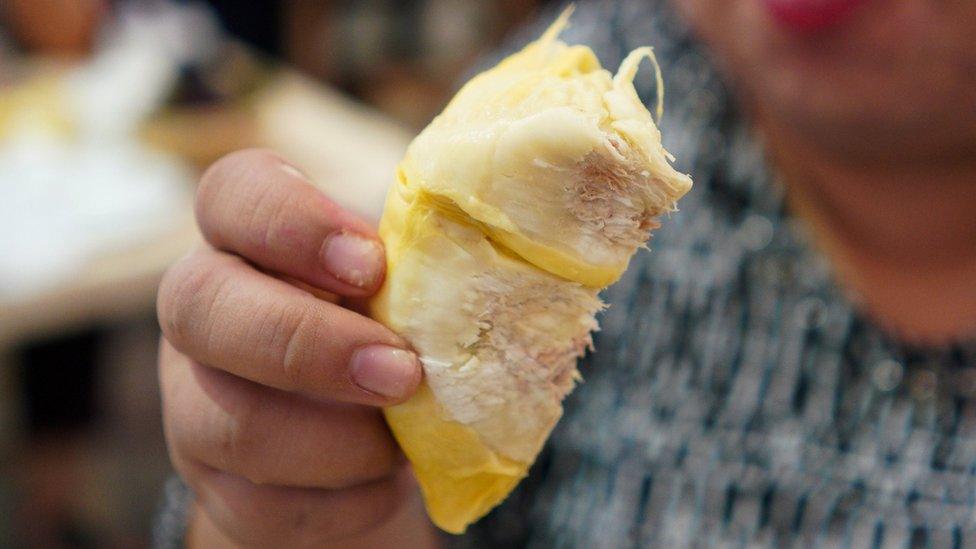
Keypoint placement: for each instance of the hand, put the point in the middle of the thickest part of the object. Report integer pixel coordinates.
(270, 387)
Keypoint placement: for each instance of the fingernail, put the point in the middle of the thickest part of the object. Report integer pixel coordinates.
(353, 259)
(385, 370)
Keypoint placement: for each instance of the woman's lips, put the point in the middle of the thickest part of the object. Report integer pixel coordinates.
(809, 16)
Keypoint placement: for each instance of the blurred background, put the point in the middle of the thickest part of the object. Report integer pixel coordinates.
(109, 110)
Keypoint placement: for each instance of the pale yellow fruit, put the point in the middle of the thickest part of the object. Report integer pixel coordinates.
(524, 198)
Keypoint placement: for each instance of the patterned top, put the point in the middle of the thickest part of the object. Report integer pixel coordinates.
(736, 397)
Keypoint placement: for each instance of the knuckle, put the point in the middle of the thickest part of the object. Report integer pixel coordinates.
(224, 177)
(298, 332)
(191, 473)
(221, 174)
(271, 213)
(344, 516)
(251, 514)
(233, 168)
(188, 296)
(259, 519)
(184, 427)
(386, 498)
(232, 439)
(267, 515)
(180, 280)
(241, 445)
(383, 460)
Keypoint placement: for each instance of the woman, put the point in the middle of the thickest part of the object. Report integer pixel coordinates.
(794, 362)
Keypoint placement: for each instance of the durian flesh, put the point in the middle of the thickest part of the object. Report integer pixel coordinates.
(511, 210)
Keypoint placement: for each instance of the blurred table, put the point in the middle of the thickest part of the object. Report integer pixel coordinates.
(345, 148)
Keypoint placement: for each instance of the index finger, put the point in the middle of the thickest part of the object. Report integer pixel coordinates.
(254, 204)
(217, 309)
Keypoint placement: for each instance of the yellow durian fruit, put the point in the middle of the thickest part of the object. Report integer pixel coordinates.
(510, 212)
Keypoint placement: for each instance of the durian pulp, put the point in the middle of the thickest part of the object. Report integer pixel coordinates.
(515, 145)
(498, 339)
(511, 211)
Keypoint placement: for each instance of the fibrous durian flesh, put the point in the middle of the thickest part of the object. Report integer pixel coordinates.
(510, 212)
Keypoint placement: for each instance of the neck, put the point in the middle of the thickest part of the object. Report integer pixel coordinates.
(902, 237)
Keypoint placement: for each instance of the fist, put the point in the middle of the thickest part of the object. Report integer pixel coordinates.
(270, 383)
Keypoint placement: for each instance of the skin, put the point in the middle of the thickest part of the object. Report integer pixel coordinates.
(872, 124)
(264, 413)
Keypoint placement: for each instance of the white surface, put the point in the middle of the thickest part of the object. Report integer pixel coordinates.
(65, 203)
(69, 198)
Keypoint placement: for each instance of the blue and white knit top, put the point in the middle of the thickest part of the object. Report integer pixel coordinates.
(736, 397)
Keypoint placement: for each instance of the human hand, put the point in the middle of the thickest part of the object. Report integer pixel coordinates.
(270, 386)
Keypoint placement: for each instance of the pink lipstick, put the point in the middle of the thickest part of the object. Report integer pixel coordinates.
(811, 16)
